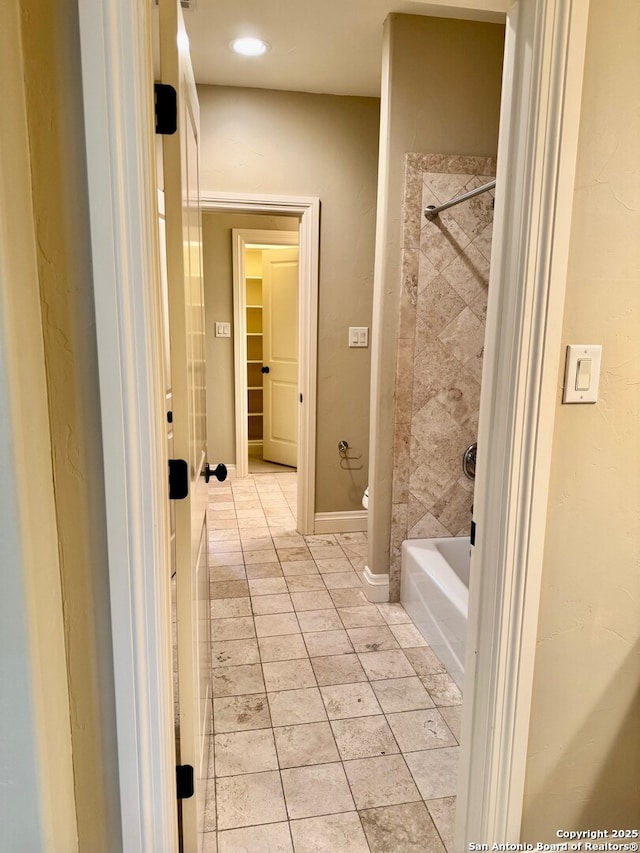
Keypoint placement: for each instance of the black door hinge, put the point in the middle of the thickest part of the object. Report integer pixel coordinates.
(178, 479)
(473, 533)
(184, 781)
(166, 108)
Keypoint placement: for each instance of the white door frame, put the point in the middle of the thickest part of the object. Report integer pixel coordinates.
(241, 237)
(308, 210)
(539, 125)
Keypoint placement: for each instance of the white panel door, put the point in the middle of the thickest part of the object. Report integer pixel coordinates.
(187, 353)
(280, 355)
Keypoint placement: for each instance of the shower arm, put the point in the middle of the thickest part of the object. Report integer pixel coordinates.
(431, 211)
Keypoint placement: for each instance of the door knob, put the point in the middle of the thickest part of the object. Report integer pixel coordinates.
(265, 369)
(219, 472)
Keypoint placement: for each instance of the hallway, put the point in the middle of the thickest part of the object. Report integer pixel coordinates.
(335, 727)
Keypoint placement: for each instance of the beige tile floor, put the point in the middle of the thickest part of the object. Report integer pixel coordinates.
(335, 726)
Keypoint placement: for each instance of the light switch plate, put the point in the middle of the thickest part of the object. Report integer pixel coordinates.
(223, 330)
(358, 336)
(582, 373)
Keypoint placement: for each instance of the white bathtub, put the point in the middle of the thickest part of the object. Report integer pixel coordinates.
(434, 590)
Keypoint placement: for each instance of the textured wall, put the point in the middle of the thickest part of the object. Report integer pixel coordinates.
(445, 278)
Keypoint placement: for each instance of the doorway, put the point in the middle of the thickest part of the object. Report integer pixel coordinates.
(299, 216)
(265, 297)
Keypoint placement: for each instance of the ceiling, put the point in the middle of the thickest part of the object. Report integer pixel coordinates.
(328, 46)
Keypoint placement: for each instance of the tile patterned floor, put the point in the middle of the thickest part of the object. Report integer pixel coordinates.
(335, 726)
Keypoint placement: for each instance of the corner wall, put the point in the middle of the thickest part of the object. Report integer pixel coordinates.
(433, 101)
(292, 143)
(584, 740)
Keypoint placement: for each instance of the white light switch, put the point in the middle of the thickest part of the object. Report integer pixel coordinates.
(223, 330)
(582, 373)
(358, 336)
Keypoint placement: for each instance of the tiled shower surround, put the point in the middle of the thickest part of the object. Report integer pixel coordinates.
(445, 276)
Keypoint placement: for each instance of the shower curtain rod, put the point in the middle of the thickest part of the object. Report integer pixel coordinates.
(431, 211)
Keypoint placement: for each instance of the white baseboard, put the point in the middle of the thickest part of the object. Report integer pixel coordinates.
(375, 587)
(354, 521)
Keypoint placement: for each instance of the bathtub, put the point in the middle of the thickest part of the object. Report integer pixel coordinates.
(434, 590)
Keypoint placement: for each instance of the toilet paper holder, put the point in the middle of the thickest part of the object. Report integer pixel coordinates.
(345, 458)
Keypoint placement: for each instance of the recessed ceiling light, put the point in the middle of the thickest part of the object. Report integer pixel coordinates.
(249, 46)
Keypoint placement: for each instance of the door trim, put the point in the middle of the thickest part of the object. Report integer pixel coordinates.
(537, 154)
(117, 84)
(240, 237)
(308, 209)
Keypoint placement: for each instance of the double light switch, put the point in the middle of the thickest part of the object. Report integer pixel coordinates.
(582, 373)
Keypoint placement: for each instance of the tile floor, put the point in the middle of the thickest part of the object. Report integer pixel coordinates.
(335, 726)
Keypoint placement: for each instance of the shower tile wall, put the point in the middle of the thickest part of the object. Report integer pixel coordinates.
(445, 275)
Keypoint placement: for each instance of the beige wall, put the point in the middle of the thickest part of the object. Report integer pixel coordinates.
(292, 143)
(434, 101)
(584, 744)
(218, 298)
(56, 131)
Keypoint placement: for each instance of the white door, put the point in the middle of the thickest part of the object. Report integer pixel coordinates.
(186, 335)
(280, 355)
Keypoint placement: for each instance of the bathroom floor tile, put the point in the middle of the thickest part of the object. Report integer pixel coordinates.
(360, 617)
(287, 647)
(338, 669)
(349, 700)
(382, 781)
(237, 680)
(319, 620)
(235, 652)
(453, 718)
(288, 675)
(299, 567)
(316, 693)
(268, 838)
(407, 827)
(309, 743)
(276, 625)
(342, 580)
(237, 628)
(364, 737)
(435, 771)
(267, 586)
(402, 694)
(305, 583)
(229, 589)
(256, 571)
(372, 639)
(288, 554)
(267, 604)
(239, 713)
(321, 643)
(379, 665)
(416, 730)
(319, 600)
(424, 661)
(249, 799)
(408, 636)
(227, 608)
(317, 790)
(329, 834)
(443, 814)
(442, 689)
(245, 752)
(289, 707)
(348, 597)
